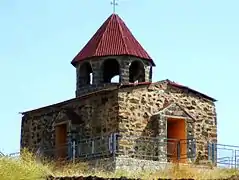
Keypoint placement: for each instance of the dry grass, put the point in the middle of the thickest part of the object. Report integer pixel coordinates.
(27, 168)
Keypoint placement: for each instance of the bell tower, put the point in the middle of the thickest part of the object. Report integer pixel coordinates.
(112, 52)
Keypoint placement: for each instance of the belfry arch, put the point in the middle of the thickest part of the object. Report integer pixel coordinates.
(136, 72)
(85, 74)
(110, 71)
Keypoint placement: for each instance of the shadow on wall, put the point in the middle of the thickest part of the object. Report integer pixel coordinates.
(148, 146)
(162, 142)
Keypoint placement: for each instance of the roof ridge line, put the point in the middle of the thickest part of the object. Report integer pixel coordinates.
(121, 32)
(103, 34)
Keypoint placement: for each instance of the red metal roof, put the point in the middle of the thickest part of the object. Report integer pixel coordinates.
(112, 38)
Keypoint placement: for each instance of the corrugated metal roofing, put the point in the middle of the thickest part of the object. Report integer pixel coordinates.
(112, 38)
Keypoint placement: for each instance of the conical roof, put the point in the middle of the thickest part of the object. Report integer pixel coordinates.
(113, 38)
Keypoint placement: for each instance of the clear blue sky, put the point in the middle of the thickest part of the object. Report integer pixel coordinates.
(195, 43)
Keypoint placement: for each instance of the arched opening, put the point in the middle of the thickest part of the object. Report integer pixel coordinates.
(115, 79)
(111, 71)
(86, 74)
(136, 72)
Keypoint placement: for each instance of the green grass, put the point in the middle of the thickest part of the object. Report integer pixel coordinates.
(27, 168)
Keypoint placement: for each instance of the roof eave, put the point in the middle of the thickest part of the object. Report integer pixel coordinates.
(75, 60)
(72, 99)
(192, 90)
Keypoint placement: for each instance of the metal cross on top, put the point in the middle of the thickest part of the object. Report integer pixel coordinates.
(114, 4)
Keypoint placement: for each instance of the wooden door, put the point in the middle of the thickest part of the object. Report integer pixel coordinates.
(61, 141)
(176, 133)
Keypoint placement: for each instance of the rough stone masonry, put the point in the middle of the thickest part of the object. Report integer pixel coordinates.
(155, 123)
(140, 106)
(128, 110)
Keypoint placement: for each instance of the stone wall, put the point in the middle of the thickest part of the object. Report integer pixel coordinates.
(139, 105)
(108, 164)
(38, 131)
(90, 116)
(137, 165)
(133, 111)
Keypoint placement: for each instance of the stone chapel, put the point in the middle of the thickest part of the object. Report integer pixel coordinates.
(128, 123)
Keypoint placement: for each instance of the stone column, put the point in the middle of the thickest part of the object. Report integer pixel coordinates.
(97, 72)
(147, 72)
(124, 70)
(191, 144)
(162, 122)
(150, 73)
